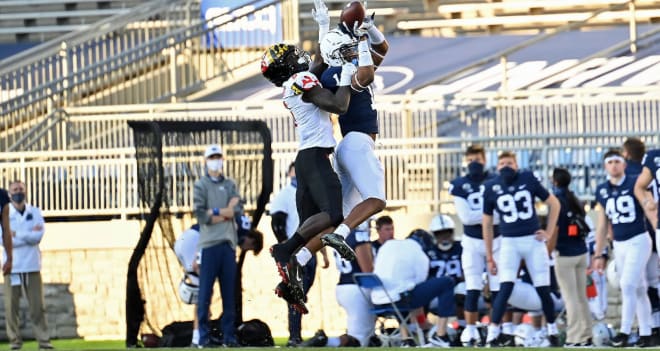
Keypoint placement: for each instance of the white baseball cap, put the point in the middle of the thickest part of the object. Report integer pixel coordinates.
(212, 150)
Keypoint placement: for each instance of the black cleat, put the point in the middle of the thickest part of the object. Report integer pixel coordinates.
(282, 260)
(318, 340)
(620, 340)
(285, 292)
(338, 243)
(554, 340)
(294, 342)
(645, 341)
(502, 340)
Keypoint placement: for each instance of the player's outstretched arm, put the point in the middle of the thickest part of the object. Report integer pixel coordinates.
(379, 45)
(366, 68)
(337, 102)
(322, 18)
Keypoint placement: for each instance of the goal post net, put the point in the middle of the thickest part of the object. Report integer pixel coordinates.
(169, 159)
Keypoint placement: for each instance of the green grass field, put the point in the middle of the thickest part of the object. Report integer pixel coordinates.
(79, 344)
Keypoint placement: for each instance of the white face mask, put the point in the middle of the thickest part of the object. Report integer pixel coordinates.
(214, 165)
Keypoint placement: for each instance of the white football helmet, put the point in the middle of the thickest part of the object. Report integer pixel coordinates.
(612, 276)
(600, 334)
(338, 48)
(524, 335)
(441, 222)
(188, 291)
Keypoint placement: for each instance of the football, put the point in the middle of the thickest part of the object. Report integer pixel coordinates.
(352, 12)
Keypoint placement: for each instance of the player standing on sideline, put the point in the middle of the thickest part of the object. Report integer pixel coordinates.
(634, 151)
(468, 200)
(511, 195)
(650, 176)
(361, 174)
(318, 194)
(632, 247)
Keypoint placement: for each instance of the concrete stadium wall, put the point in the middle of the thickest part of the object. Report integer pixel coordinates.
(84, 272)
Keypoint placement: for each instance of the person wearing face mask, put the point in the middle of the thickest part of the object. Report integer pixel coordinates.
(511, 195)
(571, 262)
(284, 222)
(468, 201)
(216, 204)
(27, 229)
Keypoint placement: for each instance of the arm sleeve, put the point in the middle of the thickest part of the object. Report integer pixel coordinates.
(199, 203)
(33, 237)
(278, 225)
(467, 215)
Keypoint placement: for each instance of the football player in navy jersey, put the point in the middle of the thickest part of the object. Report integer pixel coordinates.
(650, 176)
(468, 200)
(632, 247)
(446, 255)
(634, 151)
(318, 194)
(511, 195)
(361, 173)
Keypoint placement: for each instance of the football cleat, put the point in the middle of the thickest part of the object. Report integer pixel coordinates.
(338, 243)
(620, 340)
(282, 260)
(285, 292)
(318, 340)
(645, 341)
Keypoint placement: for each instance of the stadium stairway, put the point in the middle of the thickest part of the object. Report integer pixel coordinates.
(42, 20)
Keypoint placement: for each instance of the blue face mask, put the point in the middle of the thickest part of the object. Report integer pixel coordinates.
(475, 170)
(508, 174)
(294, 182)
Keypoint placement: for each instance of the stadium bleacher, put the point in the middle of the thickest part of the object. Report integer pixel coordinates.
(41, 20)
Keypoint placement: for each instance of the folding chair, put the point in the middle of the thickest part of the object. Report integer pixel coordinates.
(388, 337)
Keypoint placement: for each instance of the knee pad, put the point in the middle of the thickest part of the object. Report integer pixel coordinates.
(472, 300)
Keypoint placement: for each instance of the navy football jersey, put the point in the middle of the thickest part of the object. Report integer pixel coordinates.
(471, 190)
(652, 162)
(446, 263)
(633, 168)
(622, 208)
(515, 203)
(348, 268)
(361, 115)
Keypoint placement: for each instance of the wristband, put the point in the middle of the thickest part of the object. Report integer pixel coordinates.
(375, 35)
(364, 54)
(597, 257)
(216, 211)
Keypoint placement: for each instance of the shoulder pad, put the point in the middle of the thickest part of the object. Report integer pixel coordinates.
(304, 81)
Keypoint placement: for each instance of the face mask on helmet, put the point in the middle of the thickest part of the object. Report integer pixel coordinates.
(281, 61)
(338, 48)
(445, 239)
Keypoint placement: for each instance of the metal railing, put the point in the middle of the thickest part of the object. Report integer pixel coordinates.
(418, 171)
(159, 53)
(486, 114)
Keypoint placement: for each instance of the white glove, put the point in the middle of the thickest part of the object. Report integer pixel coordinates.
(320, 13)
(321, 16)
(347, 72)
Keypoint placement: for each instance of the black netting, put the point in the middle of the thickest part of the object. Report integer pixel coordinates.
(170, 159)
